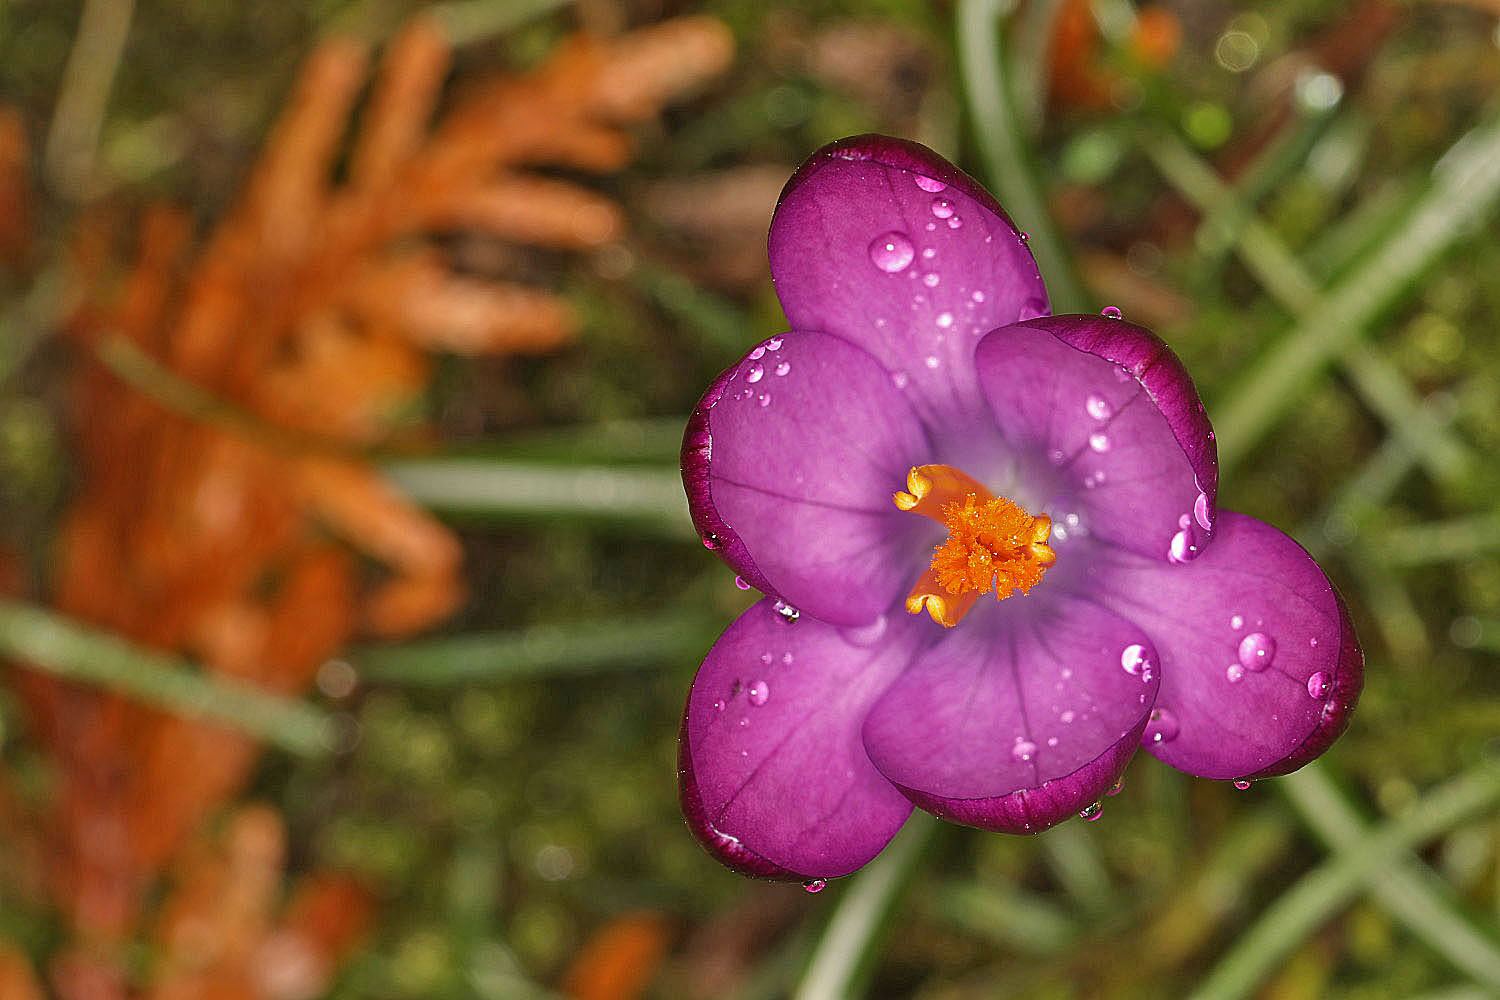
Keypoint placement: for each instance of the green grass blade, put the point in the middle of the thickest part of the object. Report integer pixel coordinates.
(1321, 893)
(66, 649)
(542, 651)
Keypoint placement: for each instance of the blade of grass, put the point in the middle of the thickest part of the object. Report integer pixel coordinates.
(1464, 190)
(1322, 892)
(73, 652)
(1005, 915)
(1074, 858)
(1403, 885)
(1378, 381)
(1000, 134)
(541, 651)
(850, 940)
(1439, 541)
(649, 497)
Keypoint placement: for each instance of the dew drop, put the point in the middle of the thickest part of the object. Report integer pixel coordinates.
(1068, 716)
(1313, 642)
(1111, 312)
(758, 353)
(931, 279)
(719, 705)
(710, 541)
(945, 320)
(1135, 659)
(774, 344)
(1162, 728)
(932, 361)
(1116, 788)
(783, 367)
(755, 373)
(1091, 812)
(765, 399)
(757, 693)
(1032, 309)
(1257, 650)
(900, 379)
(765, 658)
(1241, 784)
(786, 659)
(957, 222)
(1025, 236)
(942, 208)
(929, 184)
(1237, 622)
(1318, 685)
(788, 613)
(978, 296)
(739, 581)
(1052, 741)
(1201, 513)
(815, 885)
(928, 253)
(892, 252)
(1099, 441)
(1183, 547)
(1023, 751)
(1098, 407)
(1234, 673)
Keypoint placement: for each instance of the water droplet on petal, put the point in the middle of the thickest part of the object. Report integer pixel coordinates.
(1318, 685)
(1135, 659)
(1257, 650)
(932, 361)
(758, 353)
(1068, 716)
(786, 659)
(1162, 727)
(815, 885)
(1241, 784)
(1234, 673)
(900, 379)
(1023, 751)
(1111, 312)
(1237, 622)
(931, 279)
(739, 581)
(929, 184)
(945, 320)
(1183, 547)
(1116, 788)
(755, 373)
(783, 367)
(942, 208)
(1099, 441)
(719, 705)
(757, 693)
(892, 252)
(1025, 236)
(928, 253)
(774, 344)
(1098, 407)
(765, 399)
(977, 296)
(957, 222)
(1091, 812)
(710, 541)
(1201, 513)
(788, 613)
(765, 658)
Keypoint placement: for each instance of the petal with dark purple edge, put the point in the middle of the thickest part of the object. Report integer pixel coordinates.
(1260, 665)
(775, 780)
(1114, 429)
(1019, 717)
(790, 462)
(885, 243)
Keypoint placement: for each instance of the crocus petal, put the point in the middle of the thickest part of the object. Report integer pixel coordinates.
(790, 462)
(1116, 427)
(887, 244)
(774, 778)
(1260, 666)
(1018, 718)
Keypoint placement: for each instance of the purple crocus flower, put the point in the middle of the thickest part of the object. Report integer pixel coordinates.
(989, 545)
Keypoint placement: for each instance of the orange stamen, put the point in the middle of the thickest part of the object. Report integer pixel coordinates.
(992, 545)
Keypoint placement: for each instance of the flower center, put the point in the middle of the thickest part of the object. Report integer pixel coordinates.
(992, 545)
